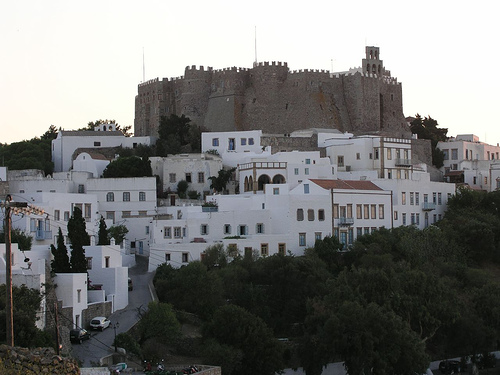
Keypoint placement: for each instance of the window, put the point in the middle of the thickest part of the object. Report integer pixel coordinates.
(146, 229)
(349, 211)
(403, 216)
(376, 153)
(412, 216)
(359, 232)
(172, 178)
(188, 177)
(242, 230)
(321, 215)
(250, 141)
(302, 239)
(317, 236)
(350, 236)
(374, 211)
(106, 262)
(306, 171)
(300, 214)
(201, 177)
(380, 211)
(358, 156)
(79, 295)
(434, 196)
(227, 228)
(367, 211)
(474, 180)
(306, 188)
(454, 154)
(167, 232)
(57, 215)
(276, 191)
(89, 263)
(412, 198)
(340, 160)
(81, 189)
(126, 196)
(204, 229)
(243, 141)
(403, 197)
(167, 257)
(231, 144)
(110, 215)
(296, 171)
(359, 214)
(142, 196)
(439, 198)
(310, 215)
(264, 249)
(259, 228)
(97, 144)
(389, 154)
(417, 199)
(417, 218)
(215, 142)
(446, 155)
(110, 197)
(366, 230)
(185, 257)
(281, 248)
(87, 211)
(177, 232)
(395, 215)
(126, 213)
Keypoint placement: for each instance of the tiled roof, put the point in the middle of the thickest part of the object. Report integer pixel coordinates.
(346, 184)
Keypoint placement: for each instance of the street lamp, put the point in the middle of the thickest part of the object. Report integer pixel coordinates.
(115, 326)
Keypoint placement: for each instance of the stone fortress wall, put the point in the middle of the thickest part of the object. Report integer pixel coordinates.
(272, 98)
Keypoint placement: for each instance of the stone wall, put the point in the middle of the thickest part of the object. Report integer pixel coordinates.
(272, 98)
(16, 360)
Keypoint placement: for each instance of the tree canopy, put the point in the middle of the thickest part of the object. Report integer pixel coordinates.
(219, 182)
(177, 134)
(60, 263)
(128, 166)
(427, 128)
(79, 238)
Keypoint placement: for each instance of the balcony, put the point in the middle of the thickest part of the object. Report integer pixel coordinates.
(346, 221)
(41, 235)
(428, 206)
(403, 162)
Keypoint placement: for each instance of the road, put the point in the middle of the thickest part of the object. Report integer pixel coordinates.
(100, 344)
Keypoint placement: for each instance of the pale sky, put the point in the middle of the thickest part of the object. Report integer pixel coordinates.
(67, 63)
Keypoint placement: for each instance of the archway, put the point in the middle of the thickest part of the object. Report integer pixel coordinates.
(263, 180)
(279, 179)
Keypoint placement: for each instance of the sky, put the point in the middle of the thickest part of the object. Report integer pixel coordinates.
(66, 63)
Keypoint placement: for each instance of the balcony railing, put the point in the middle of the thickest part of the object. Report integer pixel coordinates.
(346, 221)
(403, 162)
(428, 206)
(41, 235)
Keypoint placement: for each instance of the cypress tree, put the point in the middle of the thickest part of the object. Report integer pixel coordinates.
(60, 263)
(103, 238)
(79, 238)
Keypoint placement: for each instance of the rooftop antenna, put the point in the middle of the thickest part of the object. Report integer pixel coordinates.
(143, 67)
(255, 63)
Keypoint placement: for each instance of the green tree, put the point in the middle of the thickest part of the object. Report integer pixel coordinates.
(118, 232)
(219, 182)
(160, 323)
(177, 134)
(60, 262)
(247, 339)
(182, 187)
(20, 237)
(131, 166)
(427, 128)
(79, 238)
(103, 237)
(25, 308)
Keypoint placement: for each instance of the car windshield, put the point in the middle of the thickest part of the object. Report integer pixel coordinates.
(95, 321)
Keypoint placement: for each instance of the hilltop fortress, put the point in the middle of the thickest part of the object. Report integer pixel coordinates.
(276, 100)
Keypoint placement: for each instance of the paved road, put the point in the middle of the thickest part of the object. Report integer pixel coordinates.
(100, 344)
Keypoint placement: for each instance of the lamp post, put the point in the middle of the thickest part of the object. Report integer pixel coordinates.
(16, 207)
(115, 326)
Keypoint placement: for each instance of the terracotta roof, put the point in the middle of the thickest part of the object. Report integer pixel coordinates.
(346, 184)
(454, 173)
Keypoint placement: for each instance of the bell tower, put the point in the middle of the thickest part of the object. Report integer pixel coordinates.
(372, 63)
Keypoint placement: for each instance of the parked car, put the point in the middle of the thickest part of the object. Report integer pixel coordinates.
(130, 285)
(78, 335)
(449, 367)
(100, 323)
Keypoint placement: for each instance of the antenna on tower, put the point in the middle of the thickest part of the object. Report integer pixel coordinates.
(143, 67)
(255, 63)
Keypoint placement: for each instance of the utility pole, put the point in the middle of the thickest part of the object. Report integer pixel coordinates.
(16, 207)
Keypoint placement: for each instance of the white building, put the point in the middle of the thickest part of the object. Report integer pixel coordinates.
(471, 162)
(195, 169)
(105, 135)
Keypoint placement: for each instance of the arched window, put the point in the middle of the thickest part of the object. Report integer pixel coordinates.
(245, 185)
(278, 179)
(110, 197)
(368, 68)
(250, 183)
